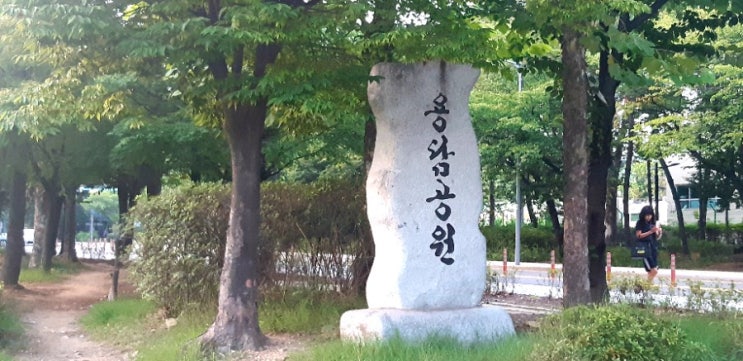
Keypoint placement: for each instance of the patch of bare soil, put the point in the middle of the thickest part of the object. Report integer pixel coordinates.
(51, 316)
(526, 311)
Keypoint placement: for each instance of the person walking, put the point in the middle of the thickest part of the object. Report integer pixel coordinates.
(647, 232)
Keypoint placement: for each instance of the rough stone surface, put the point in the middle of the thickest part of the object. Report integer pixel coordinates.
(418, 191)
(468, 326)
(424, 197)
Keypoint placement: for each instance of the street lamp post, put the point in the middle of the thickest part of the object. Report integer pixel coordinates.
(519, 205)
(91, 225)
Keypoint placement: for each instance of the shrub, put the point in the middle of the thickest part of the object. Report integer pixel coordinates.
(536, 243)
(307, 233)
(179, 245)
(611, 333)
(315, 227)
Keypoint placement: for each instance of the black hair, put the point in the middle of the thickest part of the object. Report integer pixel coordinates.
(644, 212)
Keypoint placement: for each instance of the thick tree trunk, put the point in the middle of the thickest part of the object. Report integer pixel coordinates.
(236, 325)
(364, 257)
(54, 200)
(575, 160)
(40, 223)
(612, 234)
(679, 214)
(16, 217)
(68, 237)
(152, 179)
(599, 164)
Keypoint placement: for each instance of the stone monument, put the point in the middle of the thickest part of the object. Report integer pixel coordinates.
(424, 196)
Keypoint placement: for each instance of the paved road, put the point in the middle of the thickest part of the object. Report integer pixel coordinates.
(534, 279)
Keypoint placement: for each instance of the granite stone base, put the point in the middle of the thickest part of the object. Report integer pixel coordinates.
(467, 325)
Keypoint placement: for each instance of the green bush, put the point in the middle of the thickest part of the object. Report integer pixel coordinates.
(179, 245)
(613, 333)
(306, 231)
(296, 213)
(314, 227)
(536, 243)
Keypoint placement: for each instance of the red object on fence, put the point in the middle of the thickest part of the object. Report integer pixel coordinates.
(553, 273)
(505, 262)
(608, 266)
(673, 270)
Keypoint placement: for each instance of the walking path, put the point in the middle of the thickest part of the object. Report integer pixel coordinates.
(51, 315)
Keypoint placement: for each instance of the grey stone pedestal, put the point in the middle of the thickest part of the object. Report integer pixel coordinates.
(466, 325)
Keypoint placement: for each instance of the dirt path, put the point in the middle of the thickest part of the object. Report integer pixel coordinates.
(51, 316)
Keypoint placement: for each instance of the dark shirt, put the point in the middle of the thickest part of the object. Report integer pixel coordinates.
(643, 228)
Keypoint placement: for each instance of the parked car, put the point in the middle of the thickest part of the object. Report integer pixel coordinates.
(28, 239)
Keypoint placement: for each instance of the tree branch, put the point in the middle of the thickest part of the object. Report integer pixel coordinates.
(641, 19)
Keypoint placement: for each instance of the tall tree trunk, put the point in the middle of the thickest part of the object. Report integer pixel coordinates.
(556, 226)
(40, 223)
(703, 199)
(70, 222)
(649, 174)
(54, 201)
(491, 202)
(677, 203)
(16, 217)
(530, 210)
(600, 159)
(151, 178)
(625, 188)
(125, 196)
(657, 194)
(610, 219)
(575, 160)
(612, 234)
(236, 325)
(364, 257)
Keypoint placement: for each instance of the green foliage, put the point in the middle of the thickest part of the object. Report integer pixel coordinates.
(310, 212)
(721, 233)
(134, 323)
(11, 330)
(616, 333)
(519, 134)
(723, 336)
(105, 203)
(536, 243)
(305, 311)
(60, 270)
(179, 245)
(103, 317)
(307, 228)
(433, 349)
(314, 227)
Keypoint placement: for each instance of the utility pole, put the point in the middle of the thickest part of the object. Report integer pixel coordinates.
(519, 205)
